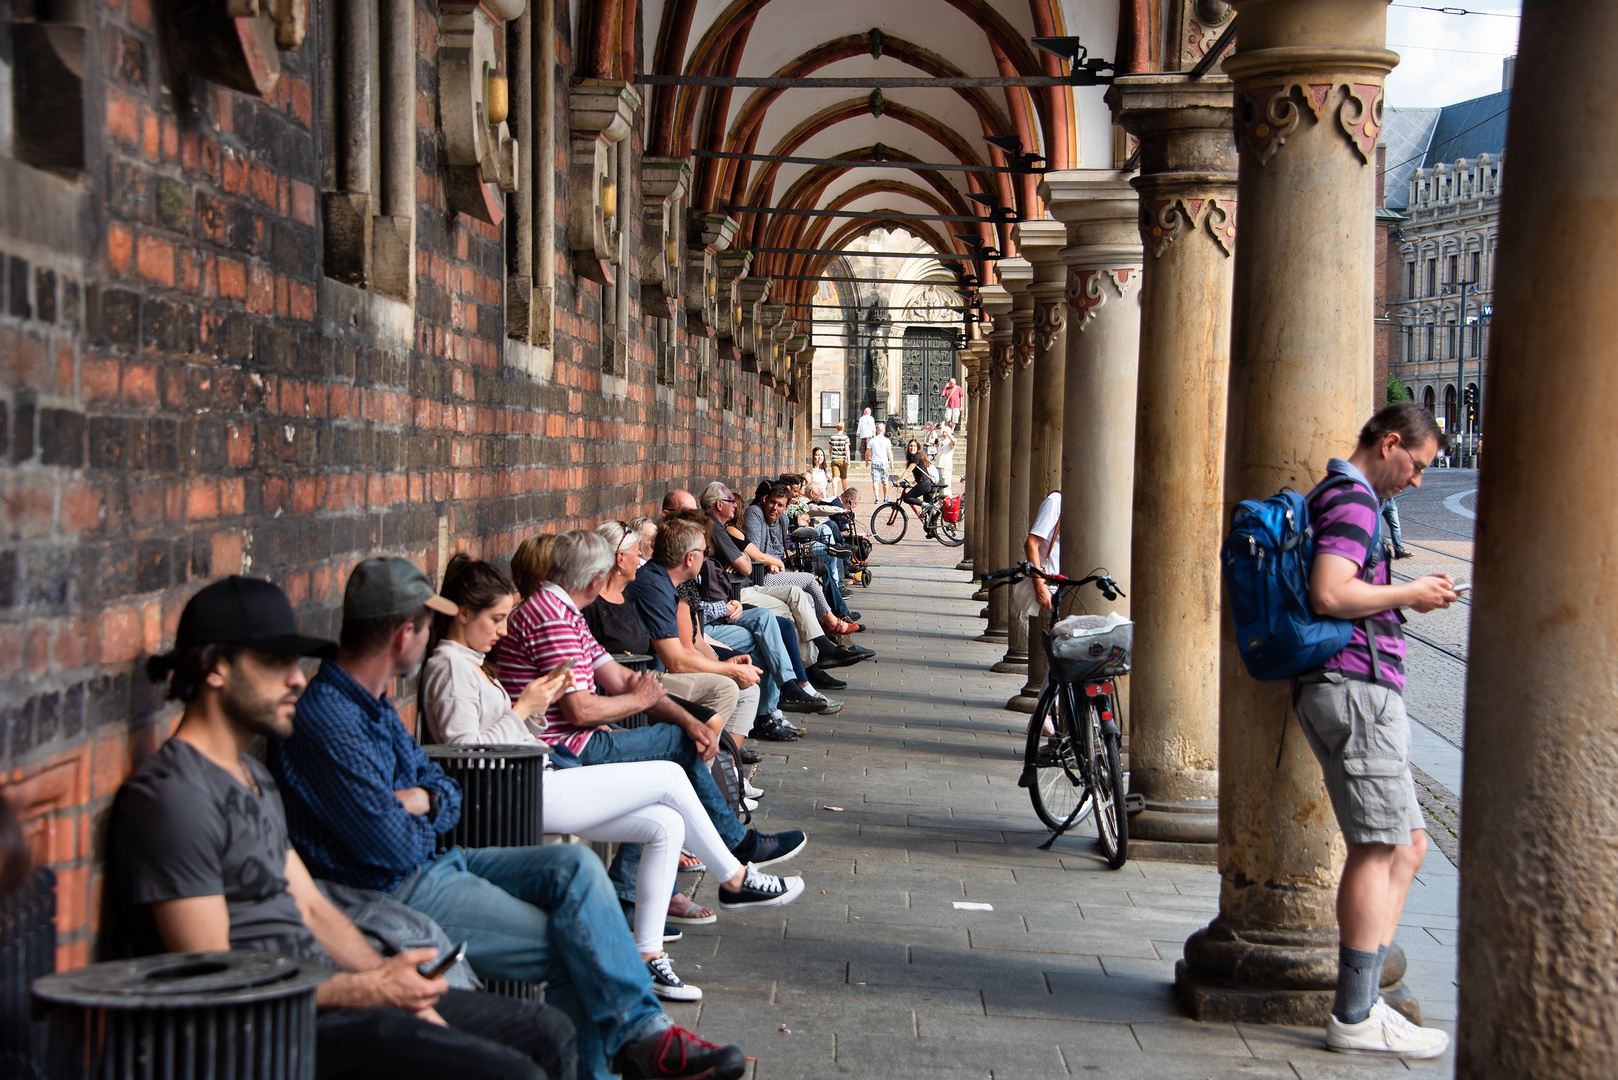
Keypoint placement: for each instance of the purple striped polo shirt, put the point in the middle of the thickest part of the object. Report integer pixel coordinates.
(1344, 517)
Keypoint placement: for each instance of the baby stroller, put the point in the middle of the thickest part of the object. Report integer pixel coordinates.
(859, 547)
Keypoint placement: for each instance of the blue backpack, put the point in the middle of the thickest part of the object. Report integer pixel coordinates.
(1266, 562)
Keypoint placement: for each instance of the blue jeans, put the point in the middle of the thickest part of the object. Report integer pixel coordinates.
(758, 634)
(659, 742)
(545, 914)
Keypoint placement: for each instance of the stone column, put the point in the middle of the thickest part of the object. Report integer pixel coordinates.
(977, 462)
(1041, 242)
(962, 360)
(1187, 187)
(1017, 274)
(997, 455)
(1103, 260)
(1308, 94)
(1538, 880)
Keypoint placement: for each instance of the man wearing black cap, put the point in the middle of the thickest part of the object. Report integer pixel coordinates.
(366, 806)
(200, 860)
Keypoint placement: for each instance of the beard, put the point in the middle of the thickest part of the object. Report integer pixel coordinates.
(259, 714)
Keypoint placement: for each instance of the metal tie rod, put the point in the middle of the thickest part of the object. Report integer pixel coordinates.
(874, 214)
(859, 163)
(956, 285)
(941, 257)
(866, 82)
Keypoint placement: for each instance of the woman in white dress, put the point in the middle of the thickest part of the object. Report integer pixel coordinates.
(644, 802)
(946, 457)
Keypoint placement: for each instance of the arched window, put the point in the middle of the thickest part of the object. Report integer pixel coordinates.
(1427, 401)
(1449, 409)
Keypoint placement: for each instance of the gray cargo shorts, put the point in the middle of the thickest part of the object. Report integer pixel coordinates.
(1361, 737)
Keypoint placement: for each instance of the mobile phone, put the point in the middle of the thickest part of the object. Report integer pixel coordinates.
(1464, 587)
(447, 961)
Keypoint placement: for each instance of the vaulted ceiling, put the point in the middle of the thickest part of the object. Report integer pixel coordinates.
(1069, 127)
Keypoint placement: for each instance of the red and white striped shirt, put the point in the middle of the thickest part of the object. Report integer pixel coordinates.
(545, 631)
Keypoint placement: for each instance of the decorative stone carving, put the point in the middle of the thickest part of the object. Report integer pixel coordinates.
(1201, 23)
(1268, 114)
(709, 234)
(663, 183)
(472, 107)
(1049, 320)
(731, 267)
(236, 43)
(1086, 289)
(759, 323)
(1022, 344)
(599, 111)
(1163, 221)
(1003, 360)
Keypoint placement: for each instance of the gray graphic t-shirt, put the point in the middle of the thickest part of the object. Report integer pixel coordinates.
(184, 827)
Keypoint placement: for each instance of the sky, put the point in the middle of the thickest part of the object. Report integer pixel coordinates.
(1447, 58)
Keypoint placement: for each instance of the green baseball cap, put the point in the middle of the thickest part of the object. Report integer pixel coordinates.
(388, 586)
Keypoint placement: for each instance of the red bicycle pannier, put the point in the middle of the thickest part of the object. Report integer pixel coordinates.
(952, 508)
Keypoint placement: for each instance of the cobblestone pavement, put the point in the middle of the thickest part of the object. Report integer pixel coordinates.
(934, 939)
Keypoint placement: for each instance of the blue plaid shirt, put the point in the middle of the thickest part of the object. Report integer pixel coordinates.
(349, 752)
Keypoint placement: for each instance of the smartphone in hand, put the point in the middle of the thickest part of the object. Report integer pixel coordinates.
(445, 962)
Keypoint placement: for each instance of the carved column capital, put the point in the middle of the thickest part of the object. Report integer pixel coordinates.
(1277, 89)
(1163, 221)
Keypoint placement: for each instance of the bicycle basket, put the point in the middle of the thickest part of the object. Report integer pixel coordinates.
(1082, 647)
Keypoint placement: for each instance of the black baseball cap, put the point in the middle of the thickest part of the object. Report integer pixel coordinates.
(250, 612)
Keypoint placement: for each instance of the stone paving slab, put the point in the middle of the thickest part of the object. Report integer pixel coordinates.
(876, 972)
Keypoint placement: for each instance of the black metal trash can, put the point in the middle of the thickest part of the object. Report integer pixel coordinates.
(502, 805)
(634, 662)
(27, 951)
(237, 1015)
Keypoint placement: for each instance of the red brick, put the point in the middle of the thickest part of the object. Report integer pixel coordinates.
(140, 13)
(109, 764)
(13, 652)
(171, 140)
(301, 301)
(189, 152)
(72, 898)
(202, 500)
(120, 246)
(232, 497)
(261, 181)
(297, 588)
(260, 290)
(140, 383)
(235, 171)
(151, 628)
(119, 638)
(98, 378)
(155, 259)
(306, 494)
(75, 644)
(232, 279)
(123, 118)
(81, 509)
(300, 99)
(303, 203)
(39, 649)
(210, 159)
(225, 553)
(239, 447)
(191, 272)
(151, 136)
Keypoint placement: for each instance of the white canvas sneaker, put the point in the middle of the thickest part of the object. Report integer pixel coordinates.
(1385, 1034)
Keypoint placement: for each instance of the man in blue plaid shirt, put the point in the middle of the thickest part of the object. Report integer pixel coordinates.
(365, 807)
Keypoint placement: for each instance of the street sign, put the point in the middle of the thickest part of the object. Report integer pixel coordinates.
(1488, 310)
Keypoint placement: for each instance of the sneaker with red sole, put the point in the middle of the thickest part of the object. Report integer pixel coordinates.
(677, 1054)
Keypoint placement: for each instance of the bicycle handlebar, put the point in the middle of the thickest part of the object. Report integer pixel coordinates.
(1013, 574)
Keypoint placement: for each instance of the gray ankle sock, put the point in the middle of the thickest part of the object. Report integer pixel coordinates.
(1356, 984)
(1376, 981)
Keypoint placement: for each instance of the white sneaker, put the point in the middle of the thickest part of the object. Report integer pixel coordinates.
(750, 791)
(666, 984)
(749, 805)
(1385, 1034)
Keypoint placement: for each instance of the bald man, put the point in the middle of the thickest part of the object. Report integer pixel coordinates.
(679, 499)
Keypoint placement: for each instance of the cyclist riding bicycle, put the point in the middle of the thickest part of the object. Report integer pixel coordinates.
(917, 467)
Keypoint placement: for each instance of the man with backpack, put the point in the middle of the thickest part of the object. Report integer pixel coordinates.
(1352, 712)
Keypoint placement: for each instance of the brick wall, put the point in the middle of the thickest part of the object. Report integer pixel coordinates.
(186, 394)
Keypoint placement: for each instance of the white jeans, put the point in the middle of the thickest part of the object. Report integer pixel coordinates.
(639, 802)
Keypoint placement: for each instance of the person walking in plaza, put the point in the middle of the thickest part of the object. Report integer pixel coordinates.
(944, 459)
(1353, 717)
(1396, 533)
(879, 456)
(952, 394)
(865, 429)
(838, 469)
(1043, 547)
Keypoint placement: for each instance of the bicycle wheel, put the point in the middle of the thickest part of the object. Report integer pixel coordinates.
(1107, 784)
(888, 523)
(1051, 767)
(949, 533)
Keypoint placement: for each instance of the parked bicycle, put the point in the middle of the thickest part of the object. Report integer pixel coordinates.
(889, 519)
(1072, 762)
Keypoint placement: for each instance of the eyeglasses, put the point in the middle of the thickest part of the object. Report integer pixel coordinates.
(1418, 466)
(729, 500)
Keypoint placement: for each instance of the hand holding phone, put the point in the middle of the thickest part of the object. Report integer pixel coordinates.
(1462, 589)
(447, 961)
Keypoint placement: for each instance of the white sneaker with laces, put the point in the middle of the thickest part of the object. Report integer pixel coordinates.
(1385, 1034)
(750, 791)
(666, 984)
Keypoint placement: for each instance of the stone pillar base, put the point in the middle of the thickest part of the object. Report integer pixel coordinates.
(984, 614)
(1025, 702)
(1190, 822)
(1213, 1003)
(981, 594)
(1267, 976)
(1013, 663)
(964, 564)
(1169, 851)
(993, 637)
